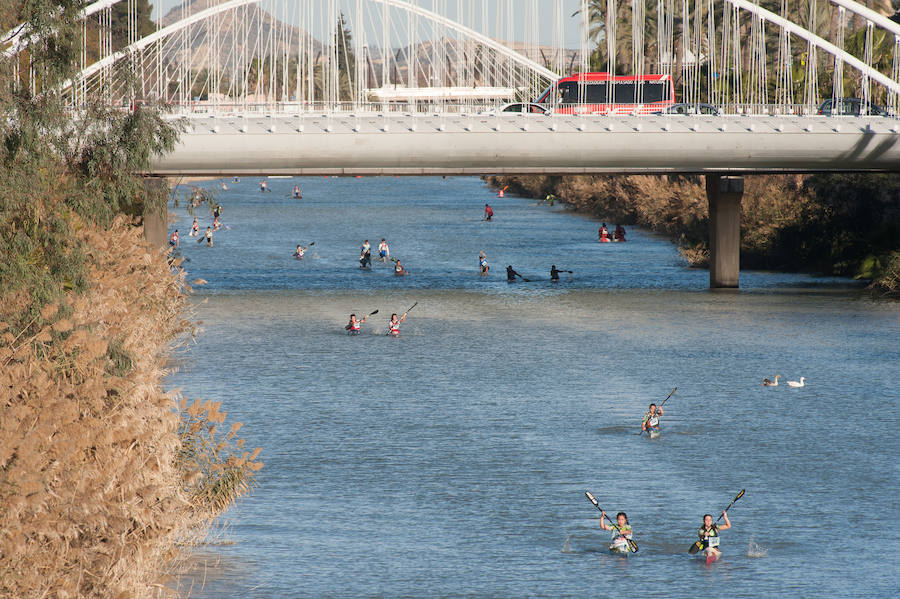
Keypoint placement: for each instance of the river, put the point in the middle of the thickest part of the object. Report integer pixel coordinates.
(453, 461)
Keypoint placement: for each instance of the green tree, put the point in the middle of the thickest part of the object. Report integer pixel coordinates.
(346, 60)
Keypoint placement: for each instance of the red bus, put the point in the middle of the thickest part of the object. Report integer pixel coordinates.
(598, 93)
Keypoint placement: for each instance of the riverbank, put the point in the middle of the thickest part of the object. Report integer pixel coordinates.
(103, 477)
(845, 225)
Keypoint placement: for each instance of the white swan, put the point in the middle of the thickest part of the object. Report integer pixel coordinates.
(796, 384)
(768, 383)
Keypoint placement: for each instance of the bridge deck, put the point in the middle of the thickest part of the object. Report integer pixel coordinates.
(374, 144)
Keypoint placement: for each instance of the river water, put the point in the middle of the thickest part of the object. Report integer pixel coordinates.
(453, 461)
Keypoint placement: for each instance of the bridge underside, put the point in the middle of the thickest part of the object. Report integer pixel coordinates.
(533, 144)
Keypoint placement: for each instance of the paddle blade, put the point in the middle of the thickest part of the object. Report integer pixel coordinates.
(375, 312)
(632, 546)
(695, 547)
(311, 243)
(592, 499)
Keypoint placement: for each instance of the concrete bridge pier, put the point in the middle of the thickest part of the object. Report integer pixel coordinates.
(724, 196)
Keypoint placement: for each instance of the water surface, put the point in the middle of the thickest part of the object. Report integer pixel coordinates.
(452, 462)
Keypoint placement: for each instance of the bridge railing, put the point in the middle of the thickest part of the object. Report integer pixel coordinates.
(369, 109)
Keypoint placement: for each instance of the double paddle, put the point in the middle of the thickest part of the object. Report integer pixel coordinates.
(631, 544)
(698, 545)
(348, 327)
(660, 405)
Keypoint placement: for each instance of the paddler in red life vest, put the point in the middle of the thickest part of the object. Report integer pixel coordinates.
(603, 233)
(488, 212)
(394, 326)
(398, 269)
(296, 192)
(353, 326)
(651, 417)
(709, 530)
(174, 239)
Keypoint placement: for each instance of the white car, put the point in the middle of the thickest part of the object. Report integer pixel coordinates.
(519, 108)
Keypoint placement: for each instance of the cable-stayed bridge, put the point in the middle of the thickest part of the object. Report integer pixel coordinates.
(416, 86)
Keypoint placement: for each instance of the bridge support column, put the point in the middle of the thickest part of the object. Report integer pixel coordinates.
(724, 196)
(155, 218)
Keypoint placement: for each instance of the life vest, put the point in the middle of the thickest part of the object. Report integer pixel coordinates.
(354, 326)
(395, 328)
(712, 532)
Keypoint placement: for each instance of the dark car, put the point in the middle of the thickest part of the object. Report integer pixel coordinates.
(691, 108)
(849, 107)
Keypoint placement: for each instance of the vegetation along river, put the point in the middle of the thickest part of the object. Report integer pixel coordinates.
(453, 461)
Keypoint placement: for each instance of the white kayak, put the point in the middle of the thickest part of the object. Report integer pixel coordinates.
(619, 546)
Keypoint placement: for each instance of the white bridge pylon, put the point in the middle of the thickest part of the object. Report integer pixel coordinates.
(232, 4)
(713, 32)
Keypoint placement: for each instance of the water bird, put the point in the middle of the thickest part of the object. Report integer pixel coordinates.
(796, 384)
(768, 383)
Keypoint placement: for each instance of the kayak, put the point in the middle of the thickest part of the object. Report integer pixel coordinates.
(654, 432)
(619, 547)
(712, 550)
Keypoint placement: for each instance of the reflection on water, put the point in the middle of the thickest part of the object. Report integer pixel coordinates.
(453, 461)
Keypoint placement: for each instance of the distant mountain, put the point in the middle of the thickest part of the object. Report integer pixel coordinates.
(263, 35)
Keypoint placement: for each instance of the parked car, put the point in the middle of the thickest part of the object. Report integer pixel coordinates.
(691, 108)
(520, 108)
(849, 107)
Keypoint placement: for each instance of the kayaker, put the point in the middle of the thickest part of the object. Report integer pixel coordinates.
(394, 326)
(195, 229)
(398, 269)
(603, 234)
(482, 264)
(621, 531)
(488, 212)
(209, 237)
(354, 324)
(619, 234)
(709, 530)
(365, 255)
(651, 418)
(511, 274)
(300, 251)
(296, 192)
(554, 273)
(384, 252)
(218, 211)
(175, 239)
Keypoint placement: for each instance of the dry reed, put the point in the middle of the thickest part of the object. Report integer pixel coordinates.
(103, 478)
